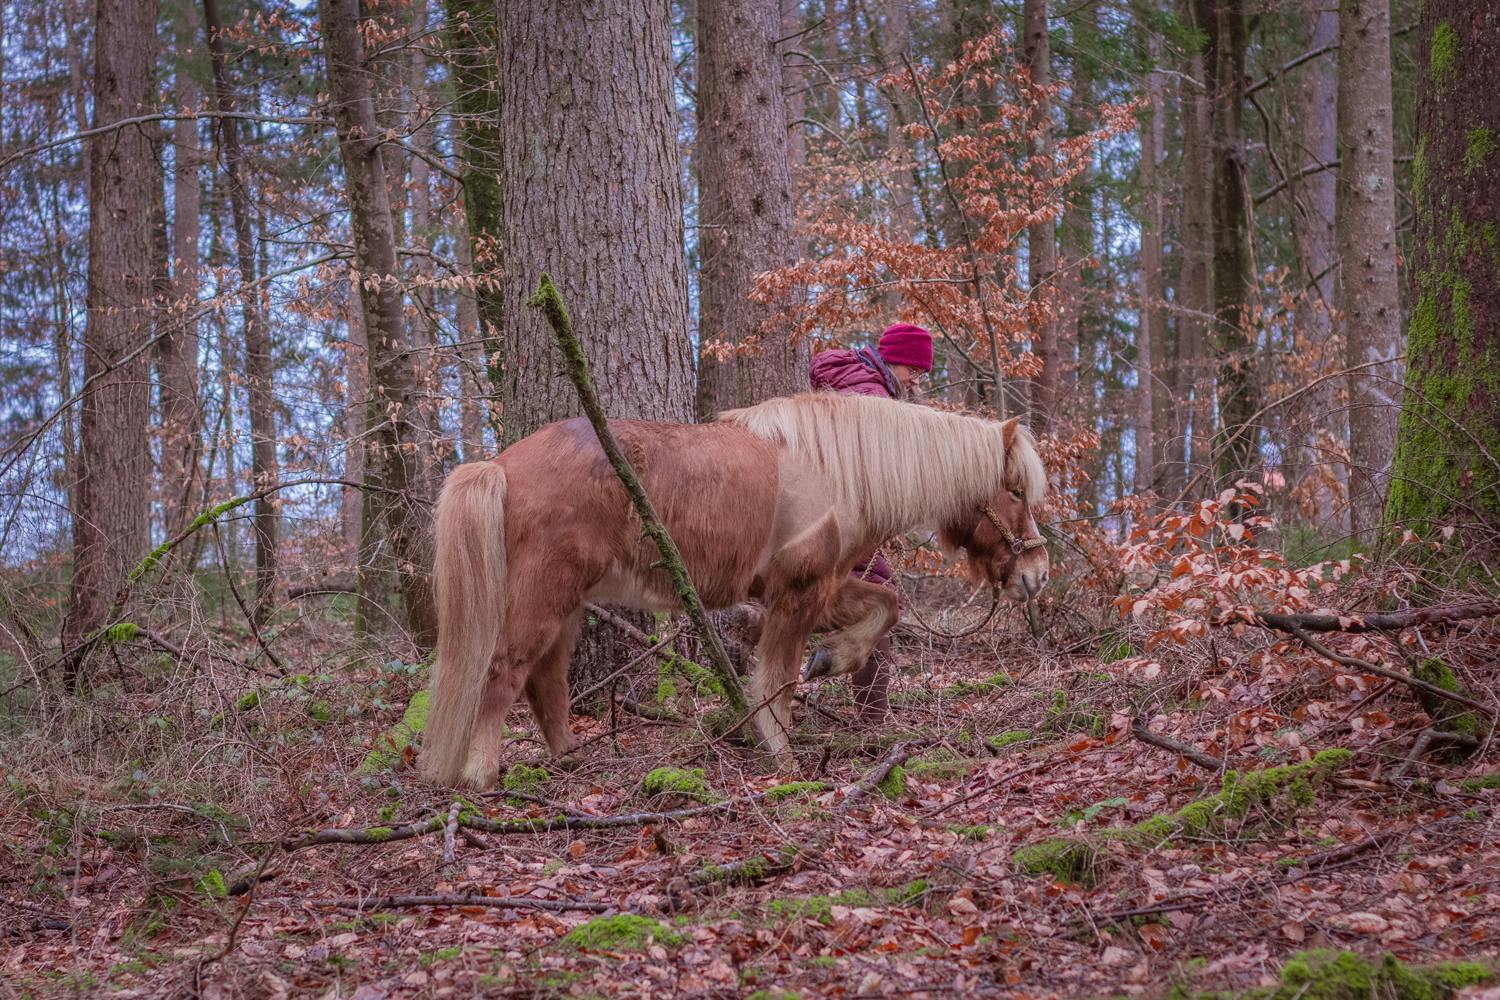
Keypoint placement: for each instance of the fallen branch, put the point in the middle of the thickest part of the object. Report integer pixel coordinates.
(1380, 621)
(550, 302)
(363, 903)
(1142, 732)
(469, 820)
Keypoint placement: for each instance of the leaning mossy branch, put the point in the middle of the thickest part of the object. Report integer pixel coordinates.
(1445, 715)
(1281, 790)
(390, 745)
(550, 302)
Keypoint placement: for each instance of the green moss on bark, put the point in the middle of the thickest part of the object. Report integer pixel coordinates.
(675, 781)
(389, 746)
(1328, 975)
(1444, 54)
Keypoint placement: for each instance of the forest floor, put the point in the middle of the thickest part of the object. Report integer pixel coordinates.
(128, 820)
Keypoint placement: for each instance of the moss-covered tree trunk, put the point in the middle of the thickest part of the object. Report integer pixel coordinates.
(1447, 463)
(472, 63)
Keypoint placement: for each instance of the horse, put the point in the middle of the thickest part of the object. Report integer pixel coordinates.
(773, 503)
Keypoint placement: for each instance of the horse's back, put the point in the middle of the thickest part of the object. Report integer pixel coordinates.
(714, 486)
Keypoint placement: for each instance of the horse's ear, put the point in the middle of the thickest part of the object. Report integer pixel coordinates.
(1008, 431)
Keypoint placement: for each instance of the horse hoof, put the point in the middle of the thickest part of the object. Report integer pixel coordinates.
(820, 664)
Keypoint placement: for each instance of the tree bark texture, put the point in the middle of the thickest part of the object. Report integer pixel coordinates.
(393, 452)
(114, 462)
(591, 195)
(745, 206)
(1195, 278)
(1223, 23)
(259, 364)
(1076, 231)
(177, 357)
(1370, 298)
(1314, 198)
(1447, 464)
(1041, 237)
(1149, 331)
(473, 387)
(356, 417)
(473, 64)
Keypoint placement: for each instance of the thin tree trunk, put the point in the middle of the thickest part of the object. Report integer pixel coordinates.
(1150, 336)
(393, 439)
(473, 387)
(473, 62)
(1041, 237)
(745, 206)
(181, 410)
(1370, 297)
(356, 419)
(1195, 281)
(1077, 228)
(259, 365)
(423, 324)
(110, 515)
(1223, 22)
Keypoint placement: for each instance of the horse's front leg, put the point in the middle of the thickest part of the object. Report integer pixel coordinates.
(788, 623)
(860, 614)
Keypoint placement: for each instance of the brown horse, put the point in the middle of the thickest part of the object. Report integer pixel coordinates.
(774, 503)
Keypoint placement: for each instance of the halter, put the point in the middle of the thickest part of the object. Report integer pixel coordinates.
(1017, 545)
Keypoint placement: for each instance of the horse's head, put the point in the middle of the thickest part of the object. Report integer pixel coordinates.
(1000, 537)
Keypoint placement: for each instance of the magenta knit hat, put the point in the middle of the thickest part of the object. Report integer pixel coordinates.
(906, 344)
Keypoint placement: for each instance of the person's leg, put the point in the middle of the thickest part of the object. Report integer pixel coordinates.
(871, 684)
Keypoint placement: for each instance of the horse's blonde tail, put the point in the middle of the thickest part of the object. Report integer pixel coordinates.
(469, 576)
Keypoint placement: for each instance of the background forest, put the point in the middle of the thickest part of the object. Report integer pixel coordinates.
(263, 280)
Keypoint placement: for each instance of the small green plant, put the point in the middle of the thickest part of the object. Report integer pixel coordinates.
(622, 932)
(676, 781)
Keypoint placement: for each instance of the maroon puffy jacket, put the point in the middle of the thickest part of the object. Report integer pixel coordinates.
(860, 372)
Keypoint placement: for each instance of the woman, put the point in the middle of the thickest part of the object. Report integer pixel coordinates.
(893, 369)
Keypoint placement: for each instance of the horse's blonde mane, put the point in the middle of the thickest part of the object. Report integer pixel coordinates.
(897, 464)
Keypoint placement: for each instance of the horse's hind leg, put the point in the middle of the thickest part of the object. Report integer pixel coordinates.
(530, 632)
(862, 613)
(547, 689)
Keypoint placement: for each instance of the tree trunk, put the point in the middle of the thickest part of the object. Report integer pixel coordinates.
(1041, 237)
(181, 410)
(1195, 280)
(356, 420)
(473, 60)
(259, 365)
(1447, 465)
(1223, 23)
(745, 206)
(393, 454)
(114, 462)
(1150, 333)
(1077, 232)
(422, 328)
(591, 195)
(1315, 201)
(1370, 298)
(470, 355)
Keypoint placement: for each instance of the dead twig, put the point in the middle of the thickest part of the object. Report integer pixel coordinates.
(1380, 622)
(364, 903)
(1141, 731)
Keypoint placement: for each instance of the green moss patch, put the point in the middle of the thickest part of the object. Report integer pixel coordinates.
(893, 785)
(390, 745)
(1064, 718)
(794, 789)
(678, 782)
(1480, 782)
(1330, 975)
(1446, 714)
(820, 908)
(1273, 791)
(1008, 739)
(939, 765)
(622, 932)
(1444, 53)
(976, 832)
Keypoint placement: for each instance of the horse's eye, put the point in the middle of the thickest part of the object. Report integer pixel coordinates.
(1017, 496)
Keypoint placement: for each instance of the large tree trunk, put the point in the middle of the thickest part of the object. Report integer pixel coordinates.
(1223, 23)
(259, 365)
(473, 387)
(1195, 279)
(591, 195)
(114, 462)
(745, 206)
(393, 454)
(1370, 299)
(1041, 237)
(1445, 470)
